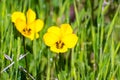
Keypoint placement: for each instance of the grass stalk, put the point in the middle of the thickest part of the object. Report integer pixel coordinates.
(24, 45)
(73, 70)
(48, 66)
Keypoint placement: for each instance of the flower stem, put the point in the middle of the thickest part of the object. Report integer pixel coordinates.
(73, 70)
(25, 52)
(48, 69)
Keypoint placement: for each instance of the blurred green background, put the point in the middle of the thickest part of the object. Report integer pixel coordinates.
(95, 57)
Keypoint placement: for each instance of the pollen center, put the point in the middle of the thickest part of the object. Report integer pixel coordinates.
(27, 31)
(59, 44)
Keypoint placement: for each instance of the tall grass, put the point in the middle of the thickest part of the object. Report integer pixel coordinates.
(95, 57)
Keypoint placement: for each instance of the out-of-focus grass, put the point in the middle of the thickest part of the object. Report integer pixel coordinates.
(95, 57)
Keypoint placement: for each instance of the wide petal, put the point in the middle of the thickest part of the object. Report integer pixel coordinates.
(50, 39)
(18, 15)
(70, 40)
(30, 16)
(66, 29)
(37, 35)
(31, 36)
(20, 25)
(38, 25)
(31, 26)
(55, 30)
(62, 50)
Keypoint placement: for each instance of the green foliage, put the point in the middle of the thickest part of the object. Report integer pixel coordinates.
(95, 57)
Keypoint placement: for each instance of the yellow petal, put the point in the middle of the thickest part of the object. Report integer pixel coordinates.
(31, 26)
(37, 35)
(39, 25)
(36, 26)
(55, 30)
(66, 29)
(20, 25)
(30, 16)
(30, 36)
(62, 50)
(50, 39)
(18, 15)
(70, 40)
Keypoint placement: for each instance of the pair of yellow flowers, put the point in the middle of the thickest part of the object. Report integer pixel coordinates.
(59, 39)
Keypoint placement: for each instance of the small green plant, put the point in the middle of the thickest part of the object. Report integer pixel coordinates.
(91, 50)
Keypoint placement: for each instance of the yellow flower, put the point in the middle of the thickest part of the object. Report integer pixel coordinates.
(27, 25)
(59, 39)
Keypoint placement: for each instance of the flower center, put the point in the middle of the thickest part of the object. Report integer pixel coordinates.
(27, 31)
(59, 44)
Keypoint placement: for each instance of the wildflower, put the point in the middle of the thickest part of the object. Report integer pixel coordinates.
(27, 25)
(59, 39)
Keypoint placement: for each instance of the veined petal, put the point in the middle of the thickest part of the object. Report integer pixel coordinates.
(30, 16)
(55, 30)
(50, 39)
(62, 50)
(18, 15)
(38, 25)
(70, 40)
(66, 29)
(20, 25)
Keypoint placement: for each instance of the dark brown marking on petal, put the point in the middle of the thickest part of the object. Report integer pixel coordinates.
(24, 30)
(59, 44)
(27, 31)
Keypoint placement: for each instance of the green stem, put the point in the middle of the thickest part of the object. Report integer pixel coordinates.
(48, 69)
(25, 53)
(73, 71)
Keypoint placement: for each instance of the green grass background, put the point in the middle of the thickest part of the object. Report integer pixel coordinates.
(95, 57)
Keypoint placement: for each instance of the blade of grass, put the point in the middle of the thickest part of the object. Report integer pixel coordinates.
(111, 28)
